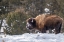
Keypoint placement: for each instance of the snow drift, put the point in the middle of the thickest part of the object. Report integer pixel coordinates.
(39, 37)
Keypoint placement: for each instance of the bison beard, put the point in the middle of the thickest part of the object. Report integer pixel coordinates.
(45, 22)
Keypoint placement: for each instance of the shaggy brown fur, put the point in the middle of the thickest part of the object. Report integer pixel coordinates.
(45, 22)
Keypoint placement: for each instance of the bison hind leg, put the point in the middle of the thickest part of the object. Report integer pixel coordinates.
(58, 28)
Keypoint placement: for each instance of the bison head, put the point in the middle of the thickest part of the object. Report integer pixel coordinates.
(31, 23)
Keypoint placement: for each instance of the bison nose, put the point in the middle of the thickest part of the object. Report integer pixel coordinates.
(27, 27)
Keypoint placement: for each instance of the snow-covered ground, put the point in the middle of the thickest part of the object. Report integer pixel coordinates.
(38, 37)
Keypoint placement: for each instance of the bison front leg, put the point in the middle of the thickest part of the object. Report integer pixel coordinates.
(44, 30)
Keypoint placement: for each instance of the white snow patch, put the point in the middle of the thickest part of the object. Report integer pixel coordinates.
(46, 10)
(39, 37)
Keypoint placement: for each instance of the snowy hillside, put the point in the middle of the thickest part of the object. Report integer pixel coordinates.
(39, 37)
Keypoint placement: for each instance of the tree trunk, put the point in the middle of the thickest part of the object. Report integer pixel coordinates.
(1, 23)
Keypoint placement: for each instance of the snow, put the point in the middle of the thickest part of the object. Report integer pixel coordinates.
(48, 5)
(33, 37)
(4, 23)
(46, 10)
(2, 29)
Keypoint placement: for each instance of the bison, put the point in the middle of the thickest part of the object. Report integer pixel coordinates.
(45, 22)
